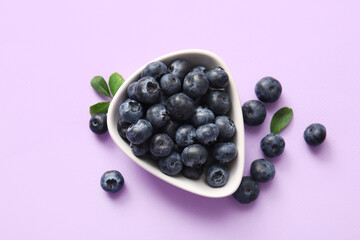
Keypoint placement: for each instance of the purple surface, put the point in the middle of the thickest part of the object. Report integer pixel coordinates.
(51, 163)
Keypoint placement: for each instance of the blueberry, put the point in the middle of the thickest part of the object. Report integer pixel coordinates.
(131, 90)
(268, 89)
(226, 127)
(224, 152)
(185, 135)
(202, 116)
(139, 132)
(199, 68)
(195, 84)
(272, 145)
(194, 155)
(248, 190)
(218, 78)
(207, 134)
(98, 123)
(219, 102)
(161, 145)
(122, 127)
(155, 70)
(171, 165)
(254, 112)
(192, 173)
(315, 134)
(170, 84)
(157, 115)
(112, 181)
(262, 170)
(131, 111)
(170, 128)
(140, 149)
(216, 175)
(180, 106)
(179, 68)
(147, 90)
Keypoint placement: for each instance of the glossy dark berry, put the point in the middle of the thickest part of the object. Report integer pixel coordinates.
(171, 165)
(202, 116)
(131, 90)
(207, 134)
(161, 145)
(98, 123)
(139, 132)
(170, 84)
(217, 175)
(192, 173)
(112, 181)
(155, 70)
(195, 84)
(185, 135)
(262, 170)
(131, 111)
(226, 127)
(219, 102)
(315, 134)
(140, 149)
(218, 78)
(248, 190)
(272, 145)
(157, 115)
(268, 89)
(170, 128)
(122, 127)
(180, 106)
(224, 152)
(148, 90)
(179, 68)
(254, 112)
(194, 155)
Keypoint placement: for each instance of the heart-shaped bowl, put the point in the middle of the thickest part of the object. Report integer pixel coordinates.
(200, 187)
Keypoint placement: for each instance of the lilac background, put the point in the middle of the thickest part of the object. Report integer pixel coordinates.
(51, 163)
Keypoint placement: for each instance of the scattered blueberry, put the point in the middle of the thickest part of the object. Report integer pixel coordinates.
(180, 106)
(112, 181)
(254, 112)
(131, 90)
(185, 135)
(122, 127)
(226, 127)
(216, 175)
(161, 145)
(268, 89)
(219, 102)
(131, 111)
(170, 84)
(218, 78)
(148, 90)
(248, 190)
(140, 149)
(157, 115)
(179, 68)
(171, 165)
(155, 70)
(192, 173)
(170, 128)
(202, 116)
(207, 134)
(262, 170)
(224, 152)
(98, 123)
(194, 155)
(195, 84)
(139, 132)
(272, 145)
(315, 134)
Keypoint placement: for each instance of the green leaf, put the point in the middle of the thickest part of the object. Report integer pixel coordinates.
(281, 119)
(100, 85)
(115, 81)
(100, 107)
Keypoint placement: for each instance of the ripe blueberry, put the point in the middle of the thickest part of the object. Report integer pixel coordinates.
(272, 145)
(268, 89)
(254, 112)
(98, 123)
(112, 181)
(315, 134)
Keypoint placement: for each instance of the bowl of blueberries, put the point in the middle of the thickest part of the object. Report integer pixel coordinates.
(179, 117)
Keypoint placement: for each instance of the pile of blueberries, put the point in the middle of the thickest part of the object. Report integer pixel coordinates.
(177, 116)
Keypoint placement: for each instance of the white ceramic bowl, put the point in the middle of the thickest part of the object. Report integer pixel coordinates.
(200, 187)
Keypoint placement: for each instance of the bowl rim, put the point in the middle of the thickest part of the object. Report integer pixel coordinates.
(239, 125)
